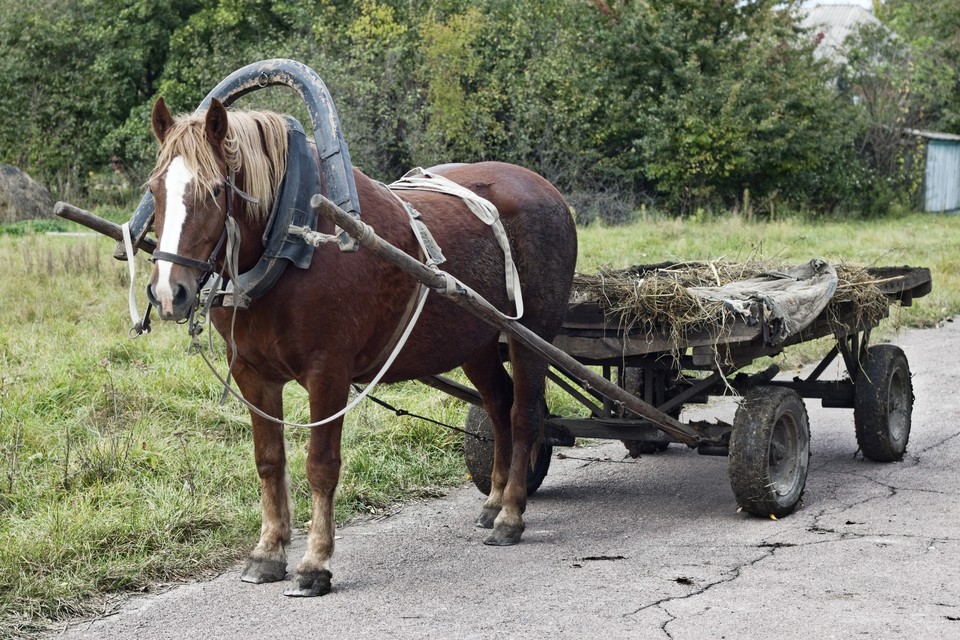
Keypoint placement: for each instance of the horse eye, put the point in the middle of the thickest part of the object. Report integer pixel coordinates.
(216, 192)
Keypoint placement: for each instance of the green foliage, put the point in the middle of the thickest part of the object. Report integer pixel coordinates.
(70, 72)
(682, 104)
(25, 227)
(724, 97)
(931, 29)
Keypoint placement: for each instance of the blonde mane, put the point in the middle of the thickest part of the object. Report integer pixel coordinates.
(256, 141)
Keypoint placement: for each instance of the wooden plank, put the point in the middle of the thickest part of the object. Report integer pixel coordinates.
(98, 224)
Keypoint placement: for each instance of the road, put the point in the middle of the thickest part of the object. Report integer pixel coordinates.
(647, 548)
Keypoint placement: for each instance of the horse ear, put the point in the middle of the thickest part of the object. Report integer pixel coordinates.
(216, 125)
(160, 119)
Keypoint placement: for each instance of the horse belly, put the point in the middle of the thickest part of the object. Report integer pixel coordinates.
(444, 337)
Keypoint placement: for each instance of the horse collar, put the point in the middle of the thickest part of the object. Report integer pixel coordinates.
(291, 208)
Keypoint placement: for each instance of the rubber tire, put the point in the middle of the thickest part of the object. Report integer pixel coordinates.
(770, 421)
(884, 403)
(636, 448)
(478, 454)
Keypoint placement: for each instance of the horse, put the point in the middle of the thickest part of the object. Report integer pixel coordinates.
(327, 326)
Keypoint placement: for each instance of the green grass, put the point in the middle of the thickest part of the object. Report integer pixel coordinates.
(120, 469)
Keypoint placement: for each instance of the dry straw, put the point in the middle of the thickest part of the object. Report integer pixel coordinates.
(654, 299)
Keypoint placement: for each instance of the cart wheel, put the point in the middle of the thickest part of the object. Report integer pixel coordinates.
(884, 403)
(637, 447)
(478, 453)
(633, 382)
(769, 451)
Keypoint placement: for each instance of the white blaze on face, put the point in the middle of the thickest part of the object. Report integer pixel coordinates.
(175, 217)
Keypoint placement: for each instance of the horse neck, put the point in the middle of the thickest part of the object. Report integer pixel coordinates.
(251, 236)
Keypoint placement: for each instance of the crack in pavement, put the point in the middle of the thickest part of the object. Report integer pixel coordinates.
(731, 576)
(771, 548)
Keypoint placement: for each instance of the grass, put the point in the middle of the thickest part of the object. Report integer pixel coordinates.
(119, 469)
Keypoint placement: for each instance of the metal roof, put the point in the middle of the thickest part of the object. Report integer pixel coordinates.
(934, 135)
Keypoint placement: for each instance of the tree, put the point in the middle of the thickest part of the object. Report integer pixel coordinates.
(931, 29)
(70, 72)
(721, 98)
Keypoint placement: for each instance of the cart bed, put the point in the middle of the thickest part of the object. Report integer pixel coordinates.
(593, 336)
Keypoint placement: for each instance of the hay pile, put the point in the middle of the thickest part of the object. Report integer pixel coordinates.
(653, 299)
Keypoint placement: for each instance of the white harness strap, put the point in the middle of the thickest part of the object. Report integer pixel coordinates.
(419, 179)
(131, 265)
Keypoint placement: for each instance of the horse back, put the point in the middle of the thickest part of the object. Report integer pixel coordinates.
(539, 226)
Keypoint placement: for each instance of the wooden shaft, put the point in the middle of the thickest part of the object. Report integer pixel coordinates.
(98, 224)
(477, 305)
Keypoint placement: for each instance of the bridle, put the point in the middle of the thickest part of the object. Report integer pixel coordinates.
(206, 267)
(230, 236)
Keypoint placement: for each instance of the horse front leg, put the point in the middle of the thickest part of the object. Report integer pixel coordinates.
(268, 561)
(314, 577)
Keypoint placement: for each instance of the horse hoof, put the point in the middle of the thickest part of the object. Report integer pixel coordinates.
(504, 536)
(486, 518)
(310, 585)
(263, 571)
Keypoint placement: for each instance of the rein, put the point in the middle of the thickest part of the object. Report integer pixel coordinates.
(195, 328)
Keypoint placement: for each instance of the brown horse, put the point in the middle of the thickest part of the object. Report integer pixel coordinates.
(329, 325)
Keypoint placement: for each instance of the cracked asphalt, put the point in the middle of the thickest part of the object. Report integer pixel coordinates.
(648, 548)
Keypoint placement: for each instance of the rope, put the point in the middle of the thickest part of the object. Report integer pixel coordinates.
(403, 412)
(140, 326)
(366, 392)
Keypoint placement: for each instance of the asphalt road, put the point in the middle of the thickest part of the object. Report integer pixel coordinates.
(648, 548)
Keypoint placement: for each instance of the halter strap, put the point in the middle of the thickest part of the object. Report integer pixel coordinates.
(204, 266)
(207, 267)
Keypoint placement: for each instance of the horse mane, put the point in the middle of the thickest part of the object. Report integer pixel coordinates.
(256, 142)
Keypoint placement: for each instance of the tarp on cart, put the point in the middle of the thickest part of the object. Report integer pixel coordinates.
(786, 301)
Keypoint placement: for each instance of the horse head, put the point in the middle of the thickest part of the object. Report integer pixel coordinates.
(205, 162)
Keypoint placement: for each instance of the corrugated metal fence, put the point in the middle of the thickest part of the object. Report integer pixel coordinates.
(941, 183)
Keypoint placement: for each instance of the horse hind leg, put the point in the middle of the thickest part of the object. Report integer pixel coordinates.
(526, 421)
(486, 372)
(516, 411)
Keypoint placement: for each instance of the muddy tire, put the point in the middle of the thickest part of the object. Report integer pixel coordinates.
(770, 451)
(478, 453)
(633, 383)
(884, 403)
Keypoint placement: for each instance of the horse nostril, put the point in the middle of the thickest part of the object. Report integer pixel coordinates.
(179, 295)
(151, 296)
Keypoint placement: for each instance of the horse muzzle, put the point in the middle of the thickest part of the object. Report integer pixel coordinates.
(174, 301)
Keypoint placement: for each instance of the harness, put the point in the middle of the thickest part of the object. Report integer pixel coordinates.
(282, 244)
(423, 180)
(290, 236)
(281, 239)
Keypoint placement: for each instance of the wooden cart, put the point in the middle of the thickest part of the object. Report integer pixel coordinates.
(769, 441)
